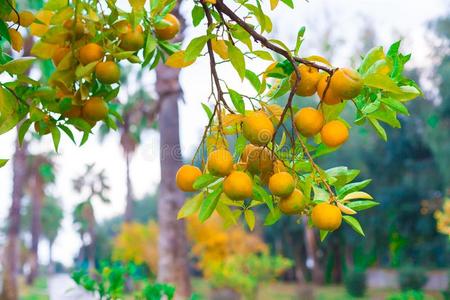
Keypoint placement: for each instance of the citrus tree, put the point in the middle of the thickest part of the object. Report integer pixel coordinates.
(272, 160)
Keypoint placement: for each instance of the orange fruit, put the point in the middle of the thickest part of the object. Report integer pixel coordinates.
(74, 112)
(308, 121)
(309, 78)
(292, 204)
(220, 162)
(168, 31)
(133, 40)
(90, 52)
(278, 166)
(80, 26)
(258, 159)
(326, 216)
(16, 39)
(59, 54)
(238, 186)
(107, 72)
(186, 176)
(257, 128)
(46, 125)
(281, 184)
(334, 133)
(330, 96)
(95, 109)
(346, 83)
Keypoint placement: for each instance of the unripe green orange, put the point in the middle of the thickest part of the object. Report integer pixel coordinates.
(326, 216)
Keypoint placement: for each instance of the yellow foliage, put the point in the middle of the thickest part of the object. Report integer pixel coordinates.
(138, 243)
(176, 60)
(443, 218)
(213, 244)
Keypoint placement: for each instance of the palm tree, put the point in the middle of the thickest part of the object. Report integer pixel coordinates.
(51, 219)
(92, 185)
(173, 261)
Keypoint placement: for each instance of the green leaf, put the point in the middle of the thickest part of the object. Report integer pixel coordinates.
(4, 31)
(239, 146)
(378, 128)
(68, 132)
(320, 194)
(371, 57)
(86, 70)
(263, 55)
(299, 41)
(361, 205)
(209, 204)
(18, 66)
(207, 110)
(354, 223)
(197, 15)
(237, 59)
(226, 213)
(249, 216)
(289, 3)
(353, 187)
(262, 195)
(203, 181)
(272, 217)
(237, 100)
(3, 162)
(23, 130)
(323, 235)
(56, 4)
(56, 136)
(195, 47)
(383, 82)
(10, 113)
(254, 80)
(137, 5)
(190, 206)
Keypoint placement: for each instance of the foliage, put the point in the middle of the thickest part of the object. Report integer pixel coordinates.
(443, 218)
(137, 243)
(109, 283)
(412, 278)
(355, 283)
(408, 295)
(244, 274)
(213, 244)
(51, 217)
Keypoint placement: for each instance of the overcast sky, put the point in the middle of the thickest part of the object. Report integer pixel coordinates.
(391, 19)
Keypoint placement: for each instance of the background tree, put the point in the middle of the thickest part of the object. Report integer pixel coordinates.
(52, 216)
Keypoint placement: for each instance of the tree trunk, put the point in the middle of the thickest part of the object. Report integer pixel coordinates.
(37, 199)
(12, 249)
(51, 266)
(129, 199)
(311, 250)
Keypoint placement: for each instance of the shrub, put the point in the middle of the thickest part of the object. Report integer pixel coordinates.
(408, 295)
(355, 283)
(412, 278)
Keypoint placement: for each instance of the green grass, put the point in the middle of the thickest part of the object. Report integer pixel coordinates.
(36, 292)
(290, 291)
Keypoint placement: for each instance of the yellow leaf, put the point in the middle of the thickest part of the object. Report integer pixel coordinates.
(40, 29)
(318, 58)
(176, 60)
(43, 50)
(273, 4)
(232, 119)
(220, 47)
(345, 209)
(137, 4)
(274, 111)
(16, 39)
(357, 195)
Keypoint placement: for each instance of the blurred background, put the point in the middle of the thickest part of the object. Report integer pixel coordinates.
(97, 204)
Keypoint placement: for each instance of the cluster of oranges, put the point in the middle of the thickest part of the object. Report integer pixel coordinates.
(259, 128)
(74, 46)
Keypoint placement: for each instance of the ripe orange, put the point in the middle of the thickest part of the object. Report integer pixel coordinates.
(346, 83)
(330, 96)
(281, 184)
(186, 177)
(238, 186)
(59, 54)
(292, 204)
(95, 109)
(326, 216)
(16, 39)
(308, 121)
(334, 133)
(107, 72)
(133, 40)
(80, 26)
(170, 30)
(220, 162)
(74, 112)
(257, 128)
(90, 52)
(258, 159)
(309, 77)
